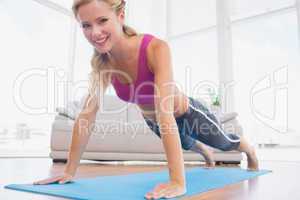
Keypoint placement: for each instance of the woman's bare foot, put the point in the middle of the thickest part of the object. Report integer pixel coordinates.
(209, 161)
(252, 160)
(250, 152)
(206, 153)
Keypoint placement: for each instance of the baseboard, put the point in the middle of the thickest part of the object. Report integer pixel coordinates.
(111, 156)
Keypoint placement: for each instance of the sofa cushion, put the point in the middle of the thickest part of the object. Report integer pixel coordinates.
(119, 127)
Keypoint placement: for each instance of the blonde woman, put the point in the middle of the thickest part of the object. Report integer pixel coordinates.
(139, 68)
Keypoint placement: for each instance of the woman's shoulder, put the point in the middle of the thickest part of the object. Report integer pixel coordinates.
(156, 46)
(155, 40)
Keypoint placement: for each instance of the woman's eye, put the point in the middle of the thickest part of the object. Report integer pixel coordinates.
(103, 20)
(85, 25)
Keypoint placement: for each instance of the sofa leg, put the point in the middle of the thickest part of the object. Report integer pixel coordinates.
(228, 162)
(59, 160)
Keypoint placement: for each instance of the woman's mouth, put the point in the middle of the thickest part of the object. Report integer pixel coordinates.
(101, 42)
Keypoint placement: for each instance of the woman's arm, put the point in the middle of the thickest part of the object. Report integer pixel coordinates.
(81, 133)
(164, 105)
(160, 60)
(80, 137)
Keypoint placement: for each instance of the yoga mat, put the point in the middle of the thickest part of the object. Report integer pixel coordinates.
(135, 186)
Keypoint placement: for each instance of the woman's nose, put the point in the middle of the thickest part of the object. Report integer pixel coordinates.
(96, 32)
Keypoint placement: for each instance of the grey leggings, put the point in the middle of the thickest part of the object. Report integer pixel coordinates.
(198, 123)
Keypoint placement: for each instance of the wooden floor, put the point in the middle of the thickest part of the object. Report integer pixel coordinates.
(282, 183)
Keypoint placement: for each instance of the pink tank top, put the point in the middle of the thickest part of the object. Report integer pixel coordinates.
(142, 90)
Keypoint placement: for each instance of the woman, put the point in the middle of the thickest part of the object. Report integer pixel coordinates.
(147, 80)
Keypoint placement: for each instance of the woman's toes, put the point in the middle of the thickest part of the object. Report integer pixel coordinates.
(210, 165)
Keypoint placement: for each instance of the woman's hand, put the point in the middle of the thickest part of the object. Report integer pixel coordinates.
(166, 190)
(62, 179)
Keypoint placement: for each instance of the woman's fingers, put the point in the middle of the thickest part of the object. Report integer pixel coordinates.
(173, 193)
(47, 181)
(149, 195)
(165, 191)
(159, 193)
(159, 187)
(60, 179)
(157, 190)
(64, 180)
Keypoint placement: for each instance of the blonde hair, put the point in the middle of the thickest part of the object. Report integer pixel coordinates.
(100, 75)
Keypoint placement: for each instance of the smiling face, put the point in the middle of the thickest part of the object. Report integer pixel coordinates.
(101, 25)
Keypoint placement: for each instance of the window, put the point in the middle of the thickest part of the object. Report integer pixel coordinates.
(201, 15)
(147, 16)
(195, 63)
(193, 42)
(34, 53)
(244, 8)
(266, 66)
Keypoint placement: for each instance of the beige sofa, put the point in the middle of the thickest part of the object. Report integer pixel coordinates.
(121, 134)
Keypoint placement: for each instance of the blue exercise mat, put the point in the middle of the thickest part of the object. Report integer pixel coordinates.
(135, 186)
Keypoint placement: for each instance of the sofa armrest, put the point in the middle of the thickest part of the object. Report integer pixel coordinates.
(60, 116)
(225, 117)
(233, 126)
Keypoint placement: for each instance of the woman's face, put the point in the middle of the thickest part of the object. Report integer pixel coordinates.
(100, 24)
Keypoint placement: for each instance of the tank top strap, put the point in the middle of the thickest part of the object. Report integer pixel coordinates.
(143, 65)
